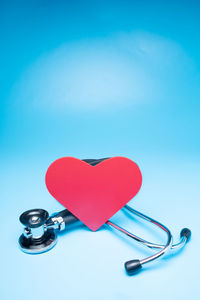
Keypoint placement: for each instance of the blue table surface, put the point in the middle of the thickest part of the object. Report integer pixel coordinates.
(93, 79)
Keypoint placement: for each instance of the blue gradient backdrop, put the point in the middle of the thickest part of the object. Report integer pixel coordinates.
(93, 79)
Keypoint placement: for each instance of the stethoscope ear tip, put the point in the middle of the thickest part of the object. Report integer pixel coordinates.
(132, 266)
(186, 232)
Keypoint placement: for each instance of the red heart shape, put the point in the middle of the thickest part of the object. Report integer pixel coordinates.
(93, 193)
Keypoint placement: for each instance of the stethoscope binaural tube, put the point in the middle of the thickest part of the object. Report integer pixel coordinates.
(184, 234)
(135, 265)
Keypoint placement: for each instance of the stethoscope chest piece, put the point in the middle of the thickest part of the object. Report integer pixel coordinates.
(36, 238)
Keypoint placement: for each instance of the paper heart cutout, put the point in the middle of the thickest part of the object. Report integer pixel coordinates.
(93, 193)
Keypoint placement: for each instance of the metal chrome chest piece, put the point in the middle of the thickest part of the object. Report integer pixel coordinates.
(37, 237)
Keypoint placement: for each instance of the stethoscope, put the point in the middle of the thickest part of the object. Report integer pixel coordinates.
(39, 233)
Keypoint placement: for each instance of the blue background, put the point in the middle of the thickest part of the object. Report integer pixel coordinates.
(92, 79)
